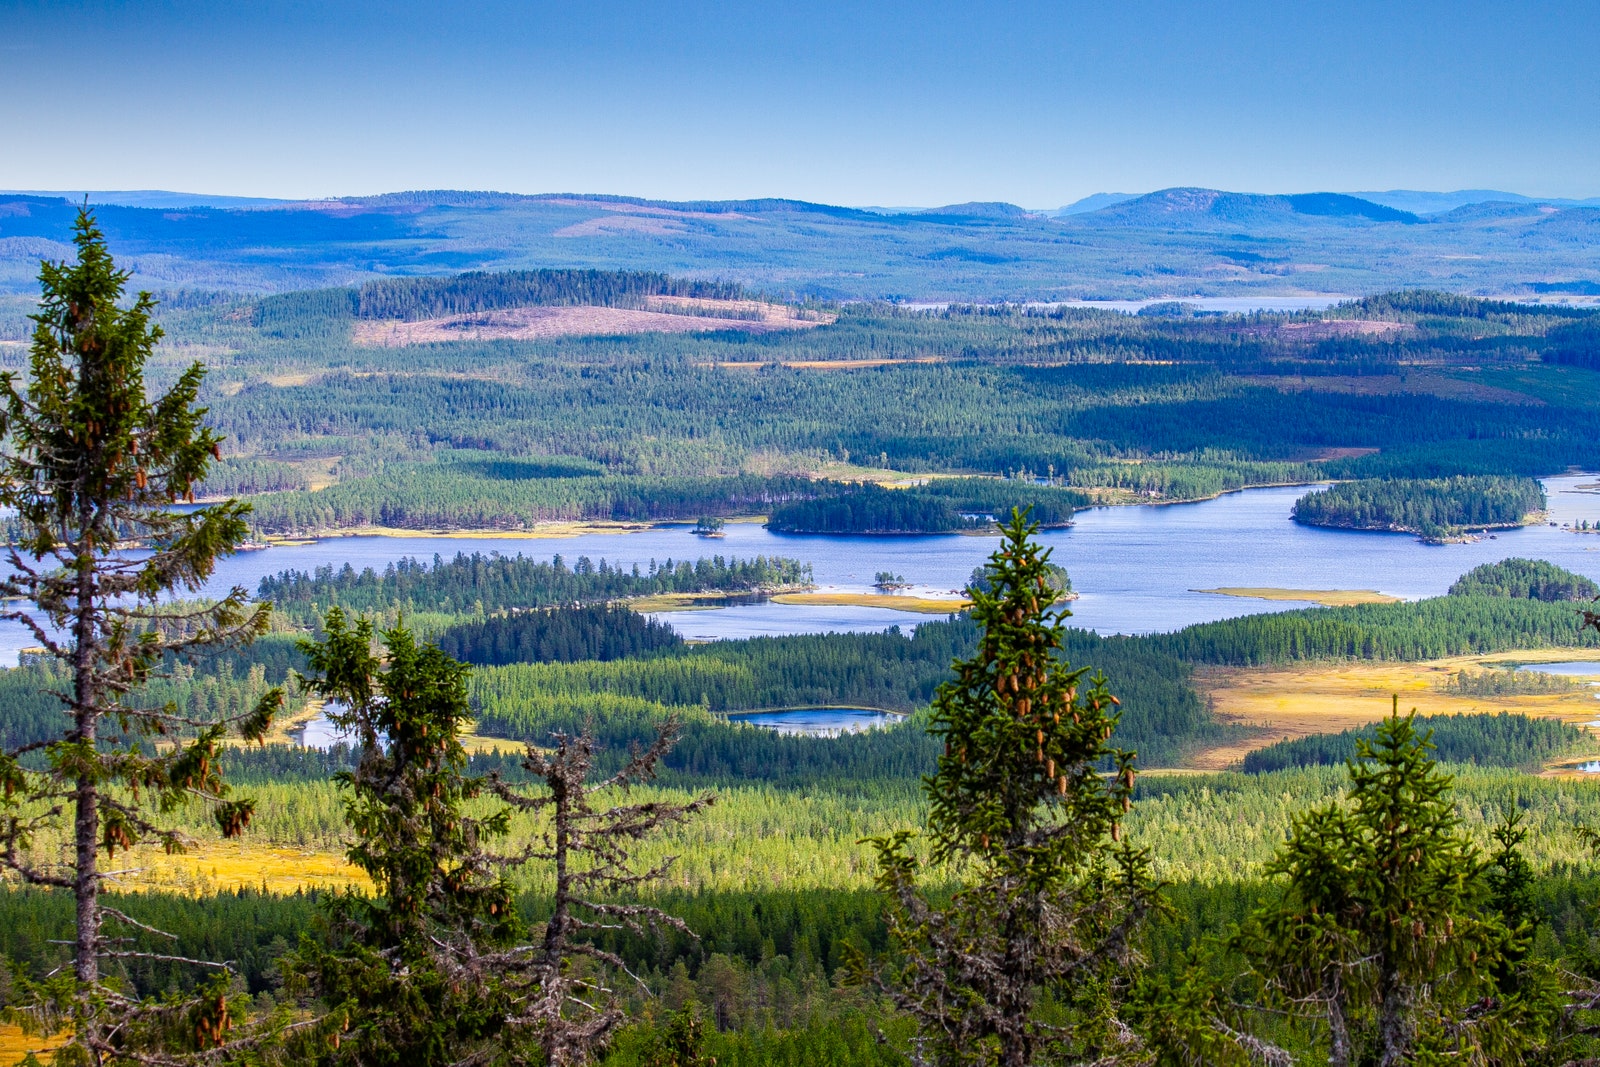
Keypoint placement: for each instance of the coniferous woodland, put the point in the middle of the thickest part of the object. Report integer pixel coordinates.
(1501, 740)
(1530, 579)
(566, 845)
(472, 583)
(1433, 507)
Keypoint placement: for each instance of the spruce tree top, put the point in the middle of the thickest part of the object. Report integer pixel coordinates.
(1027, 738)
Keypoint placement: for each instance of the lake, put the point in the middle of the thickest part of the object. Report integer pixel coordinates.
(1571, 668)
(815, 722)
(1136, 567)
(820, 722)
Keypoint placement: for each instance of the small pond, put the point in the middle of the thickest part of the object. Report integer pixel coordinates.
(819, 722)
(319, 732)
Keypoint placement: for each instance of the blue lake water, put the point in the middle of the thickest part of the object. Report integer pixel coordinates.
(319, 733)
(827, 722)
(818, 722)
(1570, 668)
(1136, 568)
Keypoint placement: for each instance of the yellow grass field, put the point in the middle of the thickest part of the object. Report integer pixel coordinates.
(925, 605)
(225, 866)
(15, 1045)
(1332, 598)
(682, 601)
(1284, 702)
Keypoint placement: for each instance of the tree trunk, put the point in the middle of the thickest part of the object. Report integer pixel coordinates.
(555, 933)
(1394, 1029)
(1338, 1026)
(1016, 1045)
(86, 793)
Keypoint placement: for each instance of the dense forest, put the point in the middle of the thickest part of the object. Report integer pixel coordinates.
(1529, 579)
(1502, 740)
(533, 749)
(478, 583)
(1436, 508)
(557, 635)
(940, 507)
(656, 426)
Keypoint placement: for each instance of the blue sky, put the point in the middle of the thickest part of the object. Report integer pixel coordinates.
(866, 103)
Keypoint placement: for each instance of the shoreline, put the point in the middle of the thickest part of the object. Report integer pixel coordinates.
(567, 528)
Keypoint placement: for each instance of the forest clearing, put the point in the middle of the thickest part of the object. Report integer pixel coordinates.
(1276, 703)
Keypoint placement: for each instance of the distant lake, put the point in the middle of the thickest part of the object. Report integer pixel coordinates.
(824, 722)
(829, 722)
(1570, 668)
(1135, 567)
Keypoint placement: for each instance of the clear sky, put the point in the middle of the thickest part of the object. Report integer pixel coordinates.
(897, 104)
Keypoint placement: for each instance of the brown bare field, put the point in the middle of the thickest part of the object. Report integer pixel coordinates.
(644, 209)
(623, 224)
(1326, 329)
(663, 315)
(1422, 382)
(1277, 703)
(1333, 598)
(817, 364)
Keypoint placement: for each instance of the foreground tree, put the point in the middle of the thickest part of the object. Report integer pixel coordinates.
(1026, 963)
(92, 466)
(1391, 932)
(424, 969)
(436, 966)
(590, 850)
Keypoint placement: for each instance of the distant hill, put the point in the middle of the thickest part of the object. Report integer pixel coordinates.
(1425, 203)
(979, 210)
(1188, 206)
(1095, 202)
(1173, 244)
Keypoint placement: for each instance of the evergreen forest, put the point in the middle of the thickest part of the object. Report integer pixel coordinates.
(547, 829)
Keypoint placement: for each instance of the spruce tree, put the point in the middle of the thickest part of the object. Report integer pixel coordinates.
(1389, 930)
(437, 966)
(91, 468)
(1027, 961)
(423, 970)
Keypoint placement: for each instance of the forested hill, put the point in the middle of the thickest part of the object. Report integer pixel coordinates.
(424, 298)
(941, 506)
(323, 312)
(1530, 579)
(1503, 740)
(1424, 629)
(1436, 508)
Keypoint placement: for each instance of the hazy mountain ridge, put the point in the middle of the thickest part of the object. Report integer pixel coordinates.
(1171, 243)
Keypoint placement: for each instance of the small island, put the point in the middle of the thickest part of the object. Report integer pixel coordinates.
(710, 526)
(945, 505)
(1055, 576)
(1439, 510)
